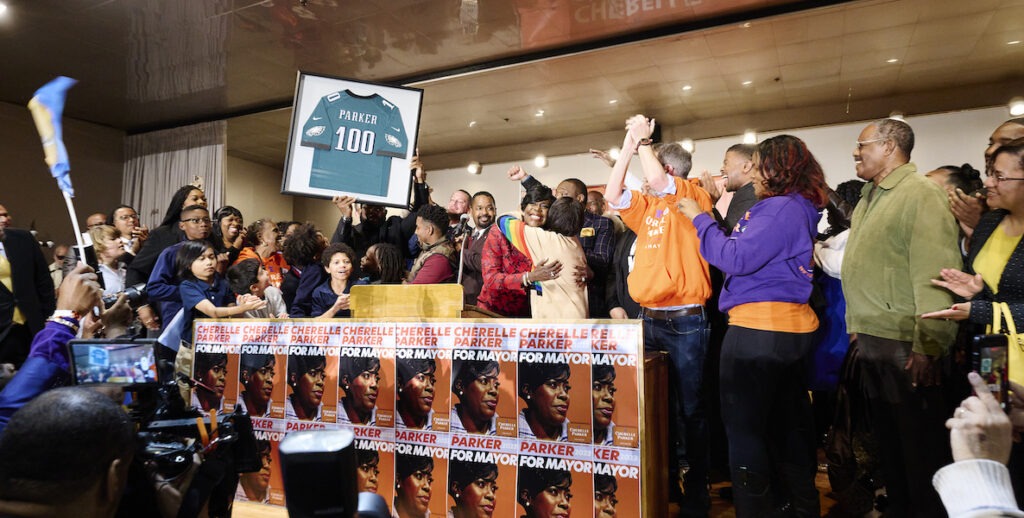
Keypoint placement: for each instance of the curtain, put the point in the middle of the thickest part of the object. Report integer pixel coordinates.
(159, 162)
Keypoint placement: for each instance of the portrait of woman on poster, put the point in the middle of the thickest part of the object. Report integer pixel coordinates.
(367, 471)
(544, 493)
(603, 394)
(256, 375)
(474, 488)
(605, 487)
(544, 387)
(211, 370)
(476, 385)
(413, 476)
(358, 379)
(416, 393)
(255, 486)
(306, 375)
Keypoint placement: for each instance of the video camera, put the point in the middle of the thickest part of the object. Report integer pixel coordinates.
(171, 434)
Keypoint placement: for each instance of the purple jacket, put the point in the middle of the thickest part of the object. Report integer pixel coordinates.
(769, 256)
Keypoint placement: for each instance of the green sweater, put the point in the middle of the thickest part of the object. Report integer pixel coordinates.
(902, 234)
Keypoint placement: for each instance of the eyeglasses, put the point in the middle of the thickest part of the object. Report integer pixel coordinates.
(862, 143)
(127, 217)
(197, 221)
(1000, 178)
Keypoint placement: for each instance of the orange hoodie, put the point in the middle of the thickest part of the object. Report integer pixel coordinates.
(668, 269)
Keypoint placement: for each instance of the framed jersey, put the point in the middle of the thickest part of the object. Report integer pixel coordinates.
(352, 138)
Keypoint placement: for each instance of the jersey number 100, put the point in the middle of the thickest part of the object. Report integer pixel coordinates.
(355, 140)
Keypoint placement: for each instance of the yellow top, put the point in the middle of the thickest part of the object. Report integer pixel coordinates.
(5, 277)
(994, 255)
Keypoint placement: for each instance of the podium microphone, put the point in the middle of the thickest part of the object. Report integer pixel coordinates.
(462, 229)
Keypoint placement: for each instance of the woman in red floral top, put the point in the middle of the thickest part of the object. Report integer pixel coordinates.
(506, 271)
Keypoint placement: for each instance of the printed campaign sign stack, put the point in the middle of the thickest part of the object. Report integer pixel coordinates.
(469, 417)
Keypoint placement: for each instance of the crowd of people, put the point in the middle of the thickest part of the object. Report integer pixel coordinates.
(753, 308)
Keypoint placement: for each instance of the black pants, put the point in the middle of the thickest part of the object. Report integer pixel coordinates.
(767, 416)
(908, 424)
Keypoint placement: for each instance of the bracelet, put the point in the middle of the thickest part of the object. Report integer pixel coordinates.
(526, 281)
(65, 322)
(70, 313)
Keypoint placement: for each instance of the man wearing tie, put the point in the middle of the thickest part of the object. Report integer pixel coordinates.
(26, 291)
(483, 212)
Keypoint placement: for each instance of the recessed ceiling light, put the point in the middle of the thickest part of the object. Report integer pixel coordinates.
(1016, 107)
(687, 88)
(1014, 42)
(540, 161)
(746, 25)
(893, 60)
(472, 123)
(750, 137)
(3, 8)
(473, 168)
(614, 153)
(687, 144)
(613, 101)
(898, 115)
(748, 83)
(540, 113)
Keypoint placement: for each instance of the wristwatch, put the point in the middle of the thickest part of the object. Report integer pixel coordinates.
(645, 142)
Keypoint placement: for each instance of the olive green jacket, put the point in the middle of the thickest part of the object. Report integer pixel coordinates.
(902, 234)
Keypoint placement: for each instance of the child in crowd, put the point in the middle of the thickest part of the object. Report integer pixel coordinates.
(249, 277)
(204, 293)
(330, 300)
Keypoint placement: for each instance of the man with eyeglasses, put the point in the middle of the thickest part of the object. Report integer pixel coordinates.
(133, 234)
(902, 233)
(163, 282)
(57, 266)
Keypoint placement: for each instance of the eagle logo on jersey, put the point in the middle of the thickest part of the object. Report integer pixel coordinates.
(315, 131)
(392, 140)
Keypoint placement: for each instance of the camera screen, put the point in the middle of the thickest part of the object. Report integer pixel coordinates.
(127, 363)
(993, 369)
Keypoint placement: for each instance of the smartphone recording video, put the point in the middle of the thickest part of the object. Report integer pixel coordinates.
(122, 362)
(991, 361)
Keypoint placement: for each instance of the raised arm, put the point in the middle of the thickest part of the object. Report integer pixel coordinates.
(617, 179)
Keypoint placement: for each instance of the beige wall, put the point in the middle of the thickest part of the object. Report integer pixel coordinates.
(31, 195)
(255, 189)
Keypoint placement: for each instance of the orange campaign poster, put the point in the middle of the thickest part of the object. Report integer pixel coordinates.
(467, 417)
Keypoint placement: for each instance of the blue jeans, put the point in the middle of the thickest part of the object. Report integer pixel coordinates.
(685, 339)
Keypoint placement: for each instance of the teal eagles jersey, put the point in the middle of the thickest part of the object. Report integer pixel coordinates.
(354, 139)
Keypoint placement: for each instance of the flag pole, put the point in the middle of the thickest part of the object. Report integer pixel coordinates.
(74, 224)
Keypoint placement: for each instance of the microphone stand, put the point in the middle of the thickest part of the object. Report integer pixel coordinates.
(462, 257)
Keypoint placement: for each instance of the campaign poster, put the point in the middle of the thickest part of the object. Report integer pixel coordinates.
(214, 372)
(554, 403)
(310, 384)
(423, 379)
(261, 381)
(482, 479)
(555, 479)
(484, 392)
(421, 466)
(360, 384)
(266, 485)
(375, 461)
(614, 393)
(352, 138)
(616, 482)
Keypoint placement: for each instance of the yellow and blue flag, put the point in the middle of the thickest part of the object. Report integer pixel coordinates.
(47, 107)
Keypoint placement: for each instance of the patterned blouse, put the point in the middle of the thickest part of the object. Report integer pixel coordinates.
(503, 268)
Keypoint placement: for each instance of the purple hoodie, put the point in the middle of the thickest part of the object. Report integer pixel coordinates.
(769, 256)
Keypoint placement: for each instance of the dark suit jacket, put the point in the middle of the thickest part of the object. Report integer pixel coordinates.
(142, 266)
(472, 267)
(617, 294)
(395, 230)
(30, 279)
